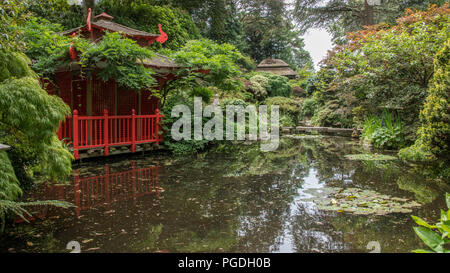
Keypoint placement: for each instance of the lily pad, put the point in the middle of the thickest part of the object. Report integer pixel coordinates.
(303, 136)
(361, 202)
(370, 157)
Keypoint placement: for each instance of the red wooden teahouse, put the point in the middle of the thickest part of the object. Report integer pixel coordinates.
(105, 114)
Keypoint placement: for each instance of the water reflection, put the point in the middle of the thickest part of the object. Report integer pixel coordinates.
(88, 192)
(232, 199)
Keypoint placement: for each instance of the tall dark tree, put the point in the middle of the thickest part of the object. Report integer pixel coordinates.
(351, 15)
(268, 32)
(88, 4)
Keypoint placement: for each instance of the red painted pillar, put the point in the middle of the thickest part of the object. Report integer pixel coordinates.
(157, 125)
(133, 168)
(77, 193)
(60, 131)
(107, 190)
(105, 131)
(133, 131)
(75, 134)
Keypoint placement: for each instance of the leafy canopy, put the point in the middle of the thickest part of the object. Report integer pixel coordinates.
(118, 58)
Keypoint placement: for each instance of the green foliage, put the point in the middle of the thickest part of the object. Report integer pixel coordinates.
(182, 147)
(434, 134)
(44, 46)
(290, 109)
(331, 113)
(342, 16)
(118, 58)
(309, 107)
(10, 17)
(220, 60)
(9, 185)
(303, 77)
(436, 236)
(278, 86)
(312, 85)
(19, 208)
(57, 11)
(269, 32)
(30, 117)
(14, 64)
(204, 92)
(414, 153)
(258, 86)
(143, 16)
(275, 85)
(383, 67)
(114, 57)
(385, 132)
(370, 157)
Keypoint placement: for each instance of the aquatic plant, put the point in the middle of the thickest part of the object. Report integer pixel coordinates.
(435, 236)
(361, 202)
(371, 157)
(384, 132)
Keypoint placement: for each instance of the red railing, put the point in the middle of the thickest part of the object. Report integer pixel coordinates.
(87, 132)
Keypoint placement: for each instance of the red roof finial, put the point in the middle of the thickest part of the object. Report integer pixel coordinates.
(88, 21)
(163, 37)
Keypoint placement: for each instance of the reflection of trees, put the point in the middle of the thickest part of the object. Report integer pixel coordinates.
(311, 231)
(425, 189)
(391, 232)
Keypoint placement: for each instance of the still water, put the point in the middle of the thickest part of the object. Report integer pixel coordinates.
(232, 199)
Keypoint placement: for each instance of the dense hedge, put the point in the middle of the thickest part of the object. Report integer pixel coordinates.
(433, 136)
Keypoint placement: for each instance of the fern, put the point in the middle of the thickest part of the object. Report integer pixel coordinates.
(18, 208)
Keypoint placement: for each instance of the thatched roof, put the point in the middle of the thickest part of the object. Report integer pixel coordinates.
(276, 66)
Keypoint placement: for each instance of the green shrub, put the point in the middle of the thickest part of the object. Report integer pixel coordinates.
(385, 132)
(259, 83)
(309, 107)
(414, 153)
(204, 92)
(181, 147)
(290, 109)
(331, 114)
(434, 134)
(278, 86)
(176, 22)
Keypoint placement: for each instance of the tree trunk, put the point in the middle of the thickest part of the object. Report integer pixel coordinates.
(86, 5)
(368, 14)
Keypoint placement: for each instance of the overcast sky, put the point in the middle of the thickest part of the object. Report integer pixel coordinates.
(317, 43)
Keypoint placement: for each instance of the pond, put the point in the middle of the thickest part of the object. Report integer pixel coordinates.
(235, 198)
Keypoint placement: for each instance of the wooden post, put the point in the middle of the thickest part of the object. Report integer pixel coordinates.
(133, 131)
(157, 125)
(75, 134)
(105, 131)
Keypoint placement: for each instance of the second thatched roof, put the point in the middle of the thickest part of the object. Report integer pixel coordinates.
(276, 66)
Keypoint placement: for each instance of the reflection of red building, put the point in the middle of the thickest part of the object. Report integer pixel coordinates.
(103, 190)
